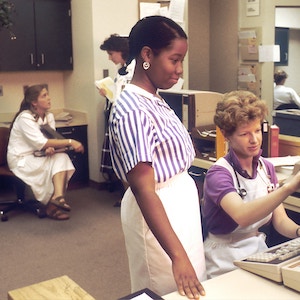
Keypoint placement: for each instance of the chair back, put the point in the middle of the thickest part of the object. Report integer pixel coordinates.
(4, 136)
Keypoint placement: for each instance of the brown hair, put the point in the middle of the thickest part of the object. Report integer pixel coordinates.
(116, 43)
(31, 94)
(239, 107)
(280, 75)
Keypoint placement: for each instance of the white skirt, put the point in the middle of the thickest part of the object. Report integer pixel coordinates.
(37, 172)
(149, 265)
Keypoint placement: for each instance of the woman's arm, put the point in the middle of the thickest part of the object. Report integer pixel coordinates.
(283, 224)
(246, 213)
(63, 143)
(295, 97)
(141, 181)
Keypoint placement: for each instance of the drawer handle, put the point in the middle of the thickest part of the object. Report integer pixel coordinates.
(66, 132)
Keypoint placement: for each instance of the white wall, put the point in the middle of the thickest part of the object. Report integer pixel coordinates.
(287, 17)
(92, 23)
(13, 83)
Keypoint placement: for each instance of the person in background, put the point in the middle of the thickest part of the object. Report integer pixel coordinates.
(47, 175)
(152, 151)
(246, 195)
(284, 97)
(117, 49)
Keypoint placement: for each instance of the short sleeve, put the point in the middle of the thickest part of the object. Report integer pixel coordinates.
(135, 140)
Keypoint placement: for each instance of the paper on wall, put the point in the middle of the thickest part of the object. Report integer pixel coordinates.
(176, 10)
(269, 53)
(149, 9)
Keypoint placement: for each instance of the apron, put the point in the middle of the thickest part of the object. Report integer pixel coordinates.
(149, 265)
(222, 250)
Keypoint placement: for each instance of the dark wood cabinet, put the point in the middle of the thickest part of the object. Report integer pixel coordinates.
(80, 160)
(43, 37)
(282, 39)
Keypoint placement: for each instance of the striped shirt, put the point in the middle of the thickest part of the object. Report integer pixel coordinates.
(143, 128)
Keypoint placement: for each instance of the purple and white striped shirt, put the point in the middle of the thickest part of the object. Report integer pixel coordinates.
(143, 128)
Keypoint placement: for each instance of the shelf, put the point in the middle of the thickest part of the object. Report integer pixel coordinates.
(211, 146)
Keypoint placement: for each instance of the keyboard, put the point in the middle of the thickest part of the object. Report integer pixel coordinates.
(269, 263)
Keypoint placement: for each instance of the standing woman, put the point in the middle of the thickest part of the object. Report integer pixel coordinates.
(48, 176)
(152, 151)
(117, 49)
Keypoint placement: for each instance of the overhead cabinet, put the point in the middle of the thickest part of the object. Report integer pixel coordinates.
(43, 37)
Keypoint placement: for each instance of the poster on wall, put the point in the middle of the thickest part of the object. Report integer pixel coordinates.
(173, 9)
(252, 8)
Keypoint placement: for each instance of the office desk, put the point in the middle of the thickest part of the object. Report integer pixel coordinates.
(240, 284)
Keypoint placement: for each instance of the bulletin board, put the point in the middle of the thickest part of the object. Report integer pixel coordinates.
(249, 70)
(249, 77)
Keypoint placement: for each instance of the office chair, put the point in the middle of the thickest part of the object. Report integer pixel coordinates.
(8, 179)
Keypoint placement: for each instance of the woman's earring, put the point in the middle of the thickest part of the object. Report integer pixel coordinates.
(146, 65)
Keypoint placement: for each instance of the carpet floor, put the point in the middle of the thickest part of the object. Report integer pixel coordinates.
(89, 247)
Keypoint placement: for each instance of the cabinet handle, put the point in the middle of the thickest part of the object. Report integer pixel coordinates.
(42, 58)
(66, 132)
(31, 58)
(286, 56)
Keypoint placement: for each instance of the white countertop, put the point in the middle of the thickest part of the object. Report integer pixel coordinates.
(240, 284)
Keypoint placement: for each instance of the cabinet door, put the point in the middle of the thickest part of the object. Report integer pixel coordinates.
(282, 39)
(53, 34)
(43, 37)
(17, 54)
(80, 160)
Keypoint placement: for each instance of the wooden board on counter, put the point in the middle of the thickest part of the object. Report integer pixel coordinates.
(58, 288)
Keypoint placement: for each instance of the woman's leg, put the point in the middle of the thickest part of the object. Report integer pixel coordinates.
(60, 180)
(57, 201)
(60, 183)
